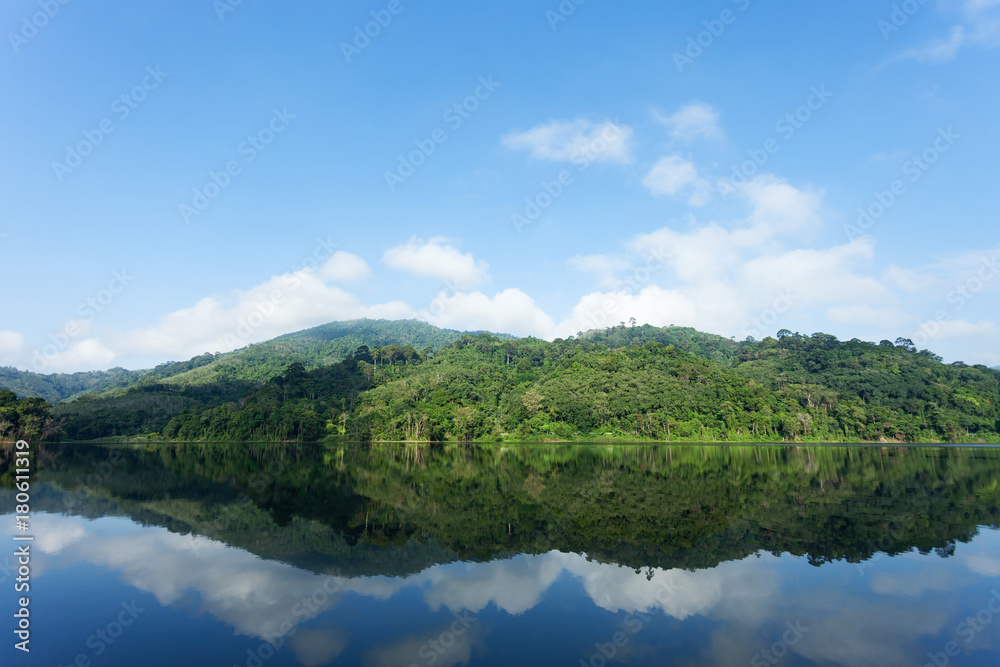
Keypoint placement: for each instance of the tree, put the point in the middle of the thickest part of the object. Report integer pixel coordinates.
(532, 401)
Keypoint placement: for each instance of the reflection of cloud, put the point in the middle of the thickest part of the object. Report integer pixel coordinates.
(984, 564)
(859, 632)
(513, 585)
(677, 593)
(252, 595)
(743, 599)
(444, 647)
(906, 585)
(54, 534)
(317, 647)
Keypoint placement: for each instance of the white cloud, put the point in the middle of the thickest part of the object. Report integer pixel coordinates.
(670, 174)
(344, 267)
(778, 206)
(941, 50)
(289, 302)
(866, 314)
(603, 265)
(693, 121)
(282, 304)
(11, 344)
(960, 328)
(579, 141)
(509, 311)
(981, 27)
(437, 259)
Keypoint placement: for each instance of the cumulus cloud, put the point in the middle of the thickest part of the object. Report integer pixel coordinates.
(672, 175)
(578, 141)
(344, 267)
(604, 266)
(292, 301)
(437, 259)
(693, 121)
(509, 311)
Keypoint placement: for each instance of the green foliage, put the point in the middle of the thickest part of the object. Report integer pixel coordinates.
(24, 419)
(320, 346)
(56, 387)
(627, 383)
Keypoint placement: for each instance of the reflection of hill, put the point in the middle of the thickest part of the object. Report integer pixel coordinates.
(395, 510)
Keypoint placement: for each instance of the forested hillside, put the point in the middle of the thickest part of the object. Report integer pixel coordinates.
(253, 365)
(794, 388)
(26, 418)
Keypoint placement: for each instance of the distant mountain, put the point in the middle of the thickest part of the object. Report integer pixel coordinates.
(57, 387)
(60, 386)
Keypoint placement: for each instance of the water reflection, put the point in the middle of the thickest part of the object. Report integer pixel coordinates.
(698, 556)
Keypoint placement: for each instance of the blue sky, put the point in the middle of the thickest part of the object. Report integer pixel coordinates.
(529, 166)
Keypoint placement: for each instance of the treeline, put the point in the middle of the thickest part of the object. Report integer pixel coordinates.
(792, 388)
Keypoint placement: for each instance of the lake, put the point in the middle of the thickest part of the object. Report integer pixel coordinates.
(393, 555)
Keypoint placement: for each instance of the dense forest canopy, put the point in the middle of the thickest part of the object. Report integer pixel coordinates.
(626, 382)
(27, 418)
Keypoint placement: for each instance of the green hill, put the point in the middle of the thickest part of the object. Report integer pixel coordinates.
(253, 365)
(795, 388)
(379, 380)
(319, 346)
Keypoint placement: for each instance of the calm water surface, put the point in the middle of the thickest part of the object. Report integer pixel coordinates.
(388, 556)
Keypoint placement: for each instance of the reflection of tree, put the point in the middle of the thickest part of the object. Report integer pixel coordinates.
(391, 509)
